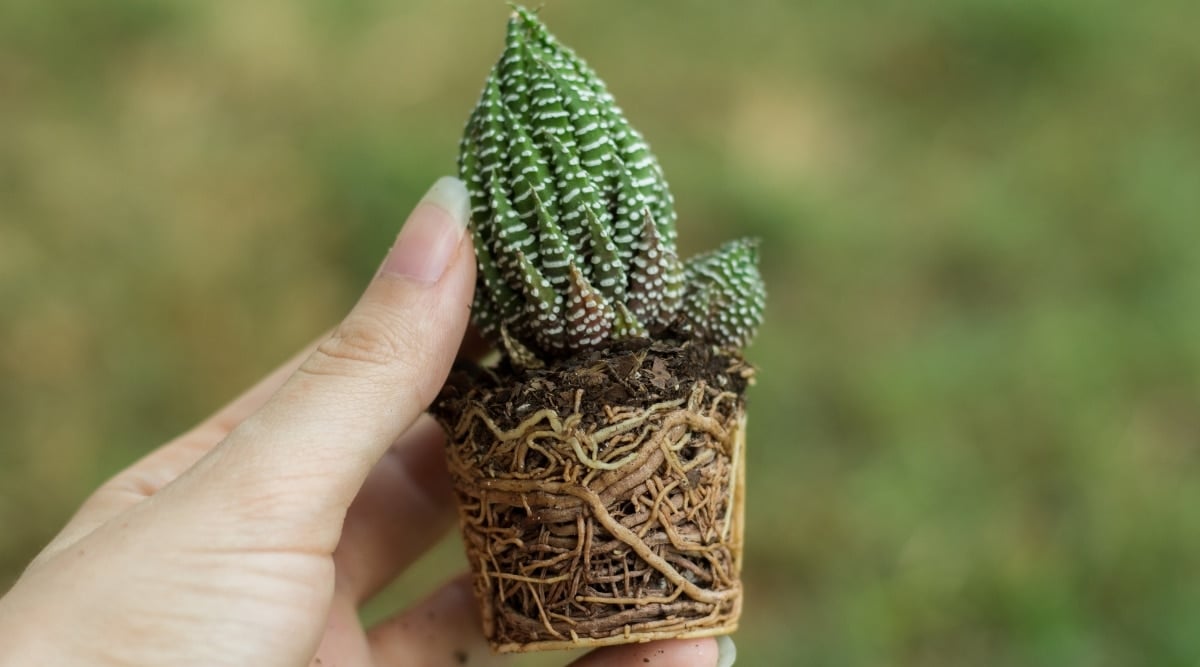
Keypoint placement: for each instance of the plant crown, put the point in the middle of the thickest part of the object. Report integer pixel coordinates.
(573, 223)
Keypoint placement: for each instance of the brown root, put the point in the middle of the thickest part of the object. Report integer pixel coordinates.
(601, 500)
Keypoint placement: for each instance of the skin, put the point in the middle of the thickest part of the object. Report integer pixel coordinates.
(254, 538)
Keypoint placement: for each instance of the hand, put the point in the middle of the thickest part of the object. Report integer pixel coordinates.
(254, 538)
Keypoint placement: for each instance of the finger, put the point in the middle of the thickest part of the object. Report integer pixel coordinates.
(700, 652)
(445, 629)
(223, 421)
(158, 468)
(343, 644)
(150, 473)
(161, 466)
(405, 505)
(298, 461)
(441, 631)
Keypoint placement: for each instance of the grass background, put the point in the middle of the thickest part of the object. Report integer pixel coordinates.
(975, 435)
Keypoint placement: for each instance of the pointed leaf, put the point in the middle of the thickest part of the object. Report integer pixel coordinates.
(589, 318)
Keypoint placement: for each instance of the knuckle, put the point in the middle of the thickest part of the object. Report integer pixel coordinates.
(362, 342)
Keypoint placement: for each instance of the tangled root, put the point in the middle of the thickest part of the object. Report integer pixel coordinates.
(592, 516)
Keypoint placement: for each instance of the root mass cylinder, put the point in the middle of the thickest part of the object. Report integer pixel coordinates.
(601, 499)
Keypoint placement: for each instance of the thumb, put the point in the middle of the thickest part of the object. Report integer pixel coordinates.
(305, 453)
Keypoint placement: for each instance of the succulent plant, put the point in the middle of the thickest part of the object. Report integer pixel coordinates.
(573, 223)
(554, 469)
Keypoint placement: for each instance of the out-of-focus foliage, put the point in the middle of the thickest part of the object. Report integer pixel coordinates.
(976, 434)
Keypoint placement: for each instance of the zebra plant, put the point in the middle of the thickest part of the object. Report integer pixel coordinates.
(574, 225)
(600, 481)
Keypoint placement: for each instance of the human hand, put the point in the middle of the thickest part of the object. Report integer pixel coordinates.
(254, 538)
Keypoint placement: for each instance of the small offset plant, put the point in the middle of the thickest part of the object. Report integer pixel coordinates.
(598, 467)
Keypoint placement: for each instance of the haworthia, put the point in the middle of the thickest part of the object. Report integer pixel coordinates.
(725, 296)
(574, 225)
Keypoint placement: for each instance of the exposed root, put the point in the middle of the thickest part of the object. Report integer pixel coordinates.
(592, 522)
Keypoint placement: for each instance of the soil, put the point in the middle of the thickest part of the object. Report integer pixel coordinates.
(629, 372)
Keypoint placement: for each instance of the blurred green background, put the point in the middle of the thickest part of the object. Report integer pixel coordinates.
(976, 434)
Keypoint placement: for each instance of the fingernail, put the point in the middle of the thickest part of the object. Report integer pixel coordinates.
(726, 651)
(430, 236)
